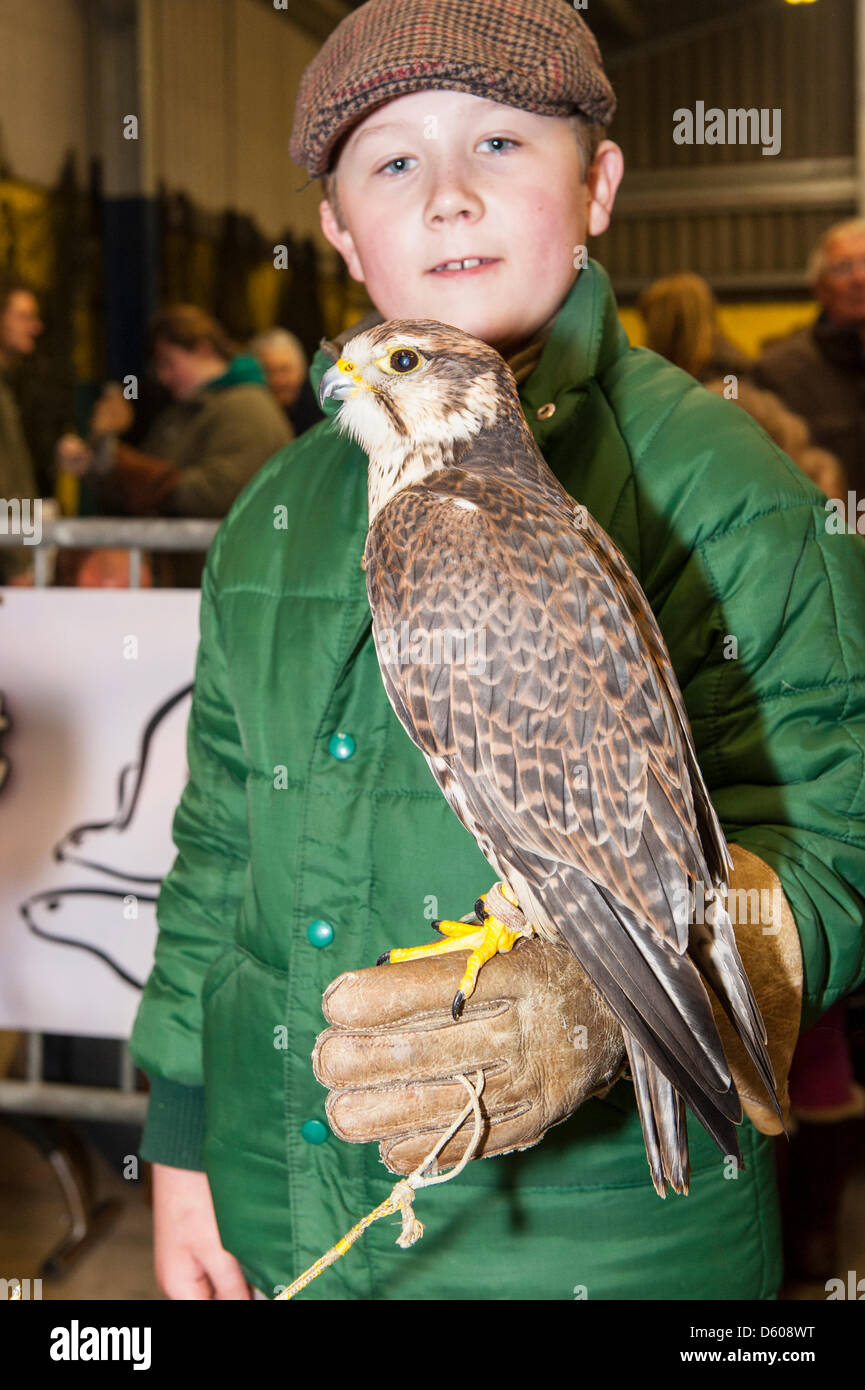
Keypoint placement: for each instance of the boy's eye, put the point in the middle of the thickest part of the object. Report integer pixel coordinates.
(500, 140)
(397, 159)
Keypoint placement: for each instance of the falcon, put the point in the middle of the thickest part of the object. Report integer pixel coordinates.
(563, 744)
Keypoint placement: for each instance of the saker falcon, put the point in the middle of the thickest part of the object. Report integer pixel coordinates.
(566, 752)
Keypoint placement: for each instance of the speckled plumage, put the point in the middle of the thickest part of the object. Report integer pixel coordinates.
(568, 754)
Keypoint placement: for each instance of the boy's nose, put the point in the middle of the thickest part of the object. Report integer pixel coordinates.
(452, 198)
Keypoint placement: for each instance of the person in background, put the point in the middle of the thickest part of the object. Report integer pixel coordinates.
(20, 326)
(201, 451)
(681, 316)
(286, 367)
(819, 371)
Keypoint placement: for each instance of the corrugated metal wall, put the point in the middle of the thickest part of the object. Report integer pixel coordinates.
(223, 86)
(42, 87)
(224, 89)
(745, 220)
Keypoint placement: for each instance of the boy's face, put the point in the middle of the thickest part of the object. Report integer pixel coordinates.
(439, 176)
(183, 371)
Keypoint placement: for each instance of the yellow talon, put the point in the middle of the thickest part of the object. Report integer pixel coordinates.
(484, 942)
(495, 936)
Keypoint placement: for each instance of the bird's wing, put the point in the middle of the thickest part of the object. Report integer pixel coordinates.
(567, 731)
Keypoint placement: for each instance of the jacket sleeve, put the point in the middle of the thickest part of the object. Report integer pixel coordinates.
(243, 441)
(764, 618)
(135, 484)
(770, 377)
(197, 905)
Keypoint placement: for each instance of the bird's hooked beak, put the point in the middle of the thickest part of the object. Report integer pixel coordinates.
(340, 381)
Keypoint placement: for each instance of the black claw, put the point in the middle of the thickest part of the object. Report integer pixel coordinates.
(481, 911)
(459, 1004)
(384, 959)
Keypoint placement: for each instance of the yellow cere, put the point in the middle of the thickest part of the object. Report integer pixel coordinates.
(350, 370)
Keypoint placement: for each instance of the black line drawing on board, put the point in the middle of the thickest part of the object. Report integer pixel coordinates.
(5, 727)
(109, 848)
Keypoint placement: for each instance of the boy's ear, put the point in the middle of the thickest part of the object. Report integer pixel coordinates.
(341, 238)
(602, 183)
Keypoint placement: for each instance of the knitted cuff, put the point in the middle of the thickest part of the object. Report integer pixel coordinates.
(174, 1129)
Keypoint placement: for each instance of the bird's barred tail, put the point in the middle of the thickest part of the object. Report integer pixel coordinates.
(673, 1045)
(662, 1116)
(661, 1109)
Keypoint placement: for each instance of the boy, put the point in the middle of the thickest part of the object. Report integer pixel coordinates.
(311, 837)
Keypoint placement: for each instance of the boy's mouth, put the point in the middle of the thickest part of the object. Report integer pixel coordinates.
(469, 265)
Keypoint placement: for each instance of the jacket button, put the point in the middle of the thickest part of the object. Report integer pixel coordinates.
(319, 933)
(341, 745)
(313, 1131)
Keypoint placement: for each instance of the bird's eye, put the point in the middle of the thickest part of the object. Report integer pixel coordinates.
(404, 360)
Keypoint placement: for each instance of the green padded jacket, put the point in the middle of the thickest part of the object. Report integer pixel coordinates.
(296, 862)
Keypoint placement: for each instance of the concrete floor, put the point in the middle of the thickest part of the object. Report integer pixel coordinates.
(33, 1221)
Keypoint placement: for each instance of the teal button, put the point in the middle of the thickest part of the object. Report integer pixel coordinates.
(319, 933)
(341, 745)
(313, 1131)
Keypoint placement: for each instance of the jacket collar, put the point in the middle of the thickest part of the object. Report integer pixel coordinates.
(241, 370)
(585, 339)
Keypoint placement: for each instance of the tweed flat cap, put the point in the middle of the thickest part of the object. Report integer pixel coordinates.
(535, 54)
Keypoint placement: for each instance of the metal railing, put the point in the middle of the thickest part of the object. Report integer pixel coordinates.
(112, 533)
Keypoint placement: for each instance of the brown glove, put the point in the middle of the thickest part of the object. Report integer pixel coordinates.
(768, 942)
(542, 1034)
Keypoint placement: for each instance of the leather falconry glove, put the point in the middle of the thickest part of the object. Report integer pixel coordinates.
(543, 1035)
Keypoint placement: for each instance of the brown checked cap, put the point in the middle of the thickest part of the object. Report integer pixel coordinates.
(535, 54)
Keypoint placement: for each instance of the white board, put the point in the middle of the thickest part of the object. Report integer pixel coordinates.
(95, 686)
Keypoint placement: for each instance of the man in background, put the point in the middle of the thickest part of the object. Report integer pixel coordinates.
(819, 372)
(286, 367)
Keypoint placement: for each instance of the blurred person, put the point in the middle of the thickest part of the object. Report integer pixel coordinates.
(285, 364)
(20, 326)
(201, 451)
(109, 569)
(819, 371)
(681, 316)
(790, 432)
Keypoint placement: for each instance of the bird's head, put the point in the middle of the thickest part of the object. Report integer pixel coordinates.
(413, 389)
